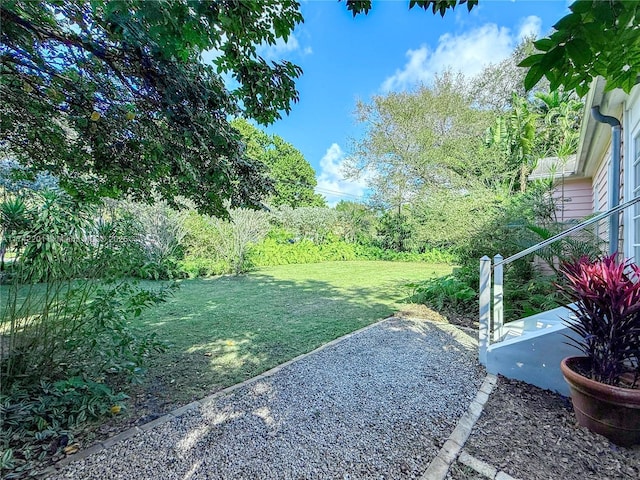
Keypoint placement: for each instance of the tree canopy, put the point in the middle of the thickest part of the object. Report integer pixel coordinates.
(113, 97)
(418, 140)
(596, 38)
(293, 177)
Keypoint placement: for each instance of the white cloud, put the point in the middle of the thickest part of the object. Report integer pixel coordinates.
(331, 182)
(468, 53)
(280, 48)
(530, 26)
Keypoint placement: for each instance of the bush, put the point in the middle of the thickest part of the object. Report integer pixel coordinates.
(445, 292)
(65, 317)
(432, 255)
(203, 267)
(271, 252)
(311, 223)
(214, 246)
(157, 232)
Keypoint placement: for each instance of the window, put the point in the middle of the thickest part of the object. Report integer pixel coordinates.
(635, 192)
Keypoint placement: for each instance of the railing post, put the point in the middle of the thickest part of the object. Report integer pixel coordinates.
(498, 296)
(485, 309)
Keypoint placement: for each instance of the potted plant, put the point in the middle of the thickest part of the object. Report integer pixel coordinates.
(605, 382)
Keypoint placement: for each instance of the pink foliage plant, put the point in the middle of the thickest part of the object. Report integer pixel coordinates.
(606, 307)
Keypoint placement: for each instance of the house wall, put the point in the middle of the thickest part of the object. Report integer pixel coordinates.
(599, 183)
(574, 199)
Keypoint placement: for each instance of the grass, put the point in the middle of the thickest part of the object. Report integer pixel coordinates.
(228, 329)
(224, 330)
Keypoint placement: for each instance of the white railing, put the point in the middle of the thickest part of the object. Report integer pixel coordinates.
(492, 319)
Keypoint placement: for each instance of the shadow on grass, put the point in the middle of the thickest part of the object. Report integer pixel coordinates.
(225, 330)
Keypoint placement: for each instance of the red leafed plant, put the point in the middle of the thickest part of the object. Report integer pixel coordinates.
(606, 296)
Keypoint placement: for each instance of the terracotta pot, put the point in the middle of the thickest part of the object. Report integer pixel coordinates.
(610, 411)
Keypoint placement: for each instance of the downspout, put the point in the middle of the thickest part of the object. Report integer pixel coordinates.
(614, 175)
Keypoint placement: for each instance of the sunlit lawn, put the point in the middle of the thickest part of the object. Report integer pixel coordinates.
(224, 330)
(228, 329)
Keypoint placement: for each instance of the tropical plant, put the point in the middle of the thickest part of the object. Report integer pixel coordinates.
(595, 38)
(606, 317)
(514, 134)
(444, 292)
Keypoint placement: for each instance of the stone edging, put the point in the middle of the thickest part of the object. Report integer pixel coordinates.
(483, 468)
(131, 432)
(439, 466)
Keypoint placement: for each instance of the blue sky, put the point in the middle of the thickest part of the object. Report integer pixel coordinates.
(391, 48)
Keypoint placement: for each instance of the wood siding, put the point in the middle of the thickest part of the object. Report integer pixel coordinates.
(600, 181)
(574, 199)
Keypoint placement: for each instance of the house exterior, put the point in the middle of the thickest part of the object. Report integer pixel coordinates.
(572, 191)
(531, 349)
(582, 182)
(593, 159)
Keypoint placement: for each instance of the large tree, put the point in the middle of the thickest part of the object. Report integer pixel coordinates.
(114, 99)
(294, 179)
(415, 141)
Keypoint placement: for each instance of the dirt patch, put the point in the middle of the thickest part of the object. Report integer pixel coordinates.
(416, 310)
(532, 433)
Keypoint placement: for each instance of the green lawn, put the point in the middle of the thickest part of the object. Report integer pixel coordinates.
(228, 329)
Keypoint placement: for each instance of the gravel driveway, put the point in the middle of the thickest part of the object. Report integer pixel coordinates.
(378, 404)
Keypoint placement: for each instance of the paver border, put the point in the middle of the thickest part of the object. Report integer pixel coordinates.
(439, 466)
(483, 468)
(452, 449)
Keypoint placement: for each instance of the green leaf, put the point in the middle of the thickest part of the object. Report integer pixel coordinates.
(533, 76)
(544, 44)
(579, 52)
(568, 22)
(531, 60)
(581, 6)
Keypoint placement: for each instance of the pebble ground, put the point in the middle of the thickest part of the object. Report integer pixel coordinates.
(377, 405)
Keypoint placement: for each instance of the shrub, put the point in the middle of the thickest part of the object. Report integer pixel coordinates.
(606, 315)
(444, 292)
(203, 267)
(271, 252)
(311, 223)
(157, 232)
(235, 236)
(65, 316)
(432, 255)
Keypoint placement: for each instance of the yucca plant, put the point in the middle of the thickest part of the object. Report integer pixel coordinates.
(606, 296)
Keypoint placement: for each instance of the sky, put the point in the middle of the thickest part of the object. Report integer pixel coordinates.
(346, 59)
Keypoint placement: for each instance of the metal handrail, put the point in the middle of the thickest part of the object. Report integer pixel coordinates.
(567, 232)
(492, 319)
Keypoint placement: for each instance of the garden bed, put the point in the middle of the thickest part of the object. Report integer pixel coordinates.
(531, 433)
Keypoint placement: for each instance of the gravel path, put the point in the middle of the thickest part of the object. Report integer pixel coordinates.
(378, 404)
